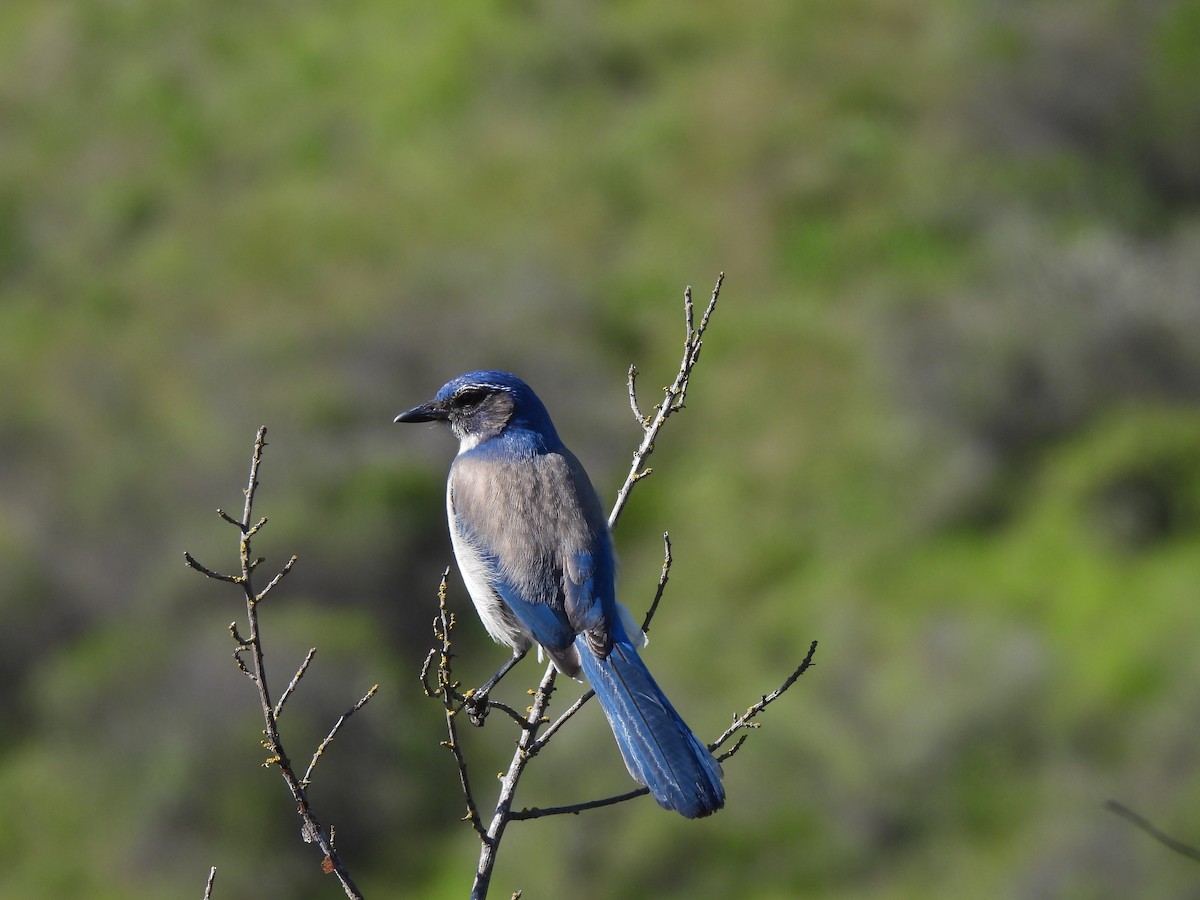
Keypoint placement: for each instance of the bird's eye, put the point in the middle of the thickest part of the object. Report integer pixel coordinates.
(470, 396)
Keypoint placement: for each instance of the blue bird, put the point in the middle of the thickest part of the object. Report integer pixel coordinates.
(534, 548)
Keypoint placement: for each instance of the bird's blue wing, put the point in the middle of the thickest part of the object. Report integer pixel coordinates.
(586, 574)
(589, 561)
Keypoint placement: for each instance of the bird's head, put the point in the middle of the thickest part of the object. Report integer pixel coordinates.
(479, 406)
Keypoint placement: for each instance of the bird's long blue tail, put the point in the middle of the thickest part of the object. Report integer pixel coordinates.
(660, 750)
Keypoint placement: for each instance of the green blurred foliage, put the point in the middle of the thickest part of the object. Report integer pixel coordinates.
(946, 422)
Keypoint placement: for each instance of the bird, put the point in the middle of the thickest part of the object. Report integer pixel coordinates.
(536, 554)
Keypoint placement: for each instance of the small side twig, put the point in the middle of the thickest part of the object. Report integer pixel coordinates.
(324, 745)
(212, 877)
(538, 812)
(562, 720)
(663, 577)
(452, 700)
(1145, 825)
(191, 561)
(674, 396)
(745, 720)
(290, 689)
(287, 567)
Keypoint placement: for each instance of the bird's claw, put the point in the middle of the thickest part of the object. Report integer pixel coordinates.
(476, 705)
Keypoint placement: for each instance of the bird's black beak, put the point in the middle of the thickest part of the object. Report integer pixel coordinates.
(426, 412)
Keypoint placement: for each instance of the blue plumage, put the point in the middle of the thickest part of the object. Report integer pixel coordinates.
(534, 548)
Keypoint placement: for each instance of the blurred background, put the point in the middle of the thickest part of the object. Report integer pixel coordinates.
(947, 422)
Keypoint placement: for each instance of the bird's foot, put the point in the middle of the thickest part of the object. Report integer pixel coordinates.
(475, 702)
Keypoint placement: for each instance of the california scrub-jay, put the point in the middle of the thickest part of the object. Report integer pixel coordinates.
(535, 551)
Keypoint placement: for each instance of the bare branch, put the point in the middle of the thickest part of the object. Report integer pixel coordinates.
(689, 317)
(575, 809)
(633, 400)
(255, 669)
(287, 691)
(212, 876)
(307, 779)
(191, 561)
(241, 663)
(561, 721)
(662, 582)
(744, 720)
(673, 399)
(425, 667)
(447, 691)
(509, 711)
(274, 581)
(230, 519)
(1165, 839)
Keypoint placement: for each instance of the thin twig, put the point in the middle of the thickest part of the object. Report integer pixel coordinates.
(307, 779)
(517, 718)
(191, 561)
(447, 690)
(631, 382)
(230, 519)
(664, 575)
(274, 581)
(212, 876)
(1165, 839)
(538, 812)
(561, 721)
(287, 691)
(673, 398)
(744, 720)
(242, 646)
